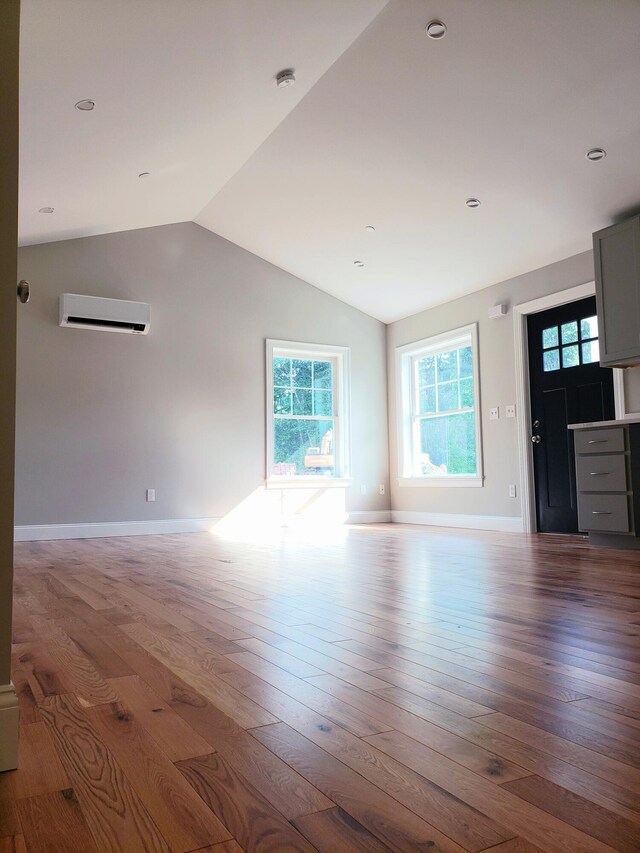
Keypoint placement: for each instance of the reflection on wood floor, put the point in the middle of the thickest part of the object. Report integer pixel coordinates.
(392, 688)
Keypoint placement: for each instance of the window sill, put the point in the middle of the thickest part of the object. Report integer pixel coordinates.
(441, 482)
(308, 482)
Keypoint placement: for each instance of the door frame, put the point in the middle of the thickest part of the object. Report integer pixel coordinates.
(523, 394)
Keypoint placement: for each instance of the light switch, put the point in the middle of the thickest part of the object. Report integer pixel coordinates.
(494, 414)
(510, 411)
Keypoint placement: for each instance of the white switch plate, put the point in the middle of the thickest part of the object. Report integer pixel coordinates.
(494, 414)
(381, 489)
(151, 494)
(509, 411)
(512, 490)
(363, 490)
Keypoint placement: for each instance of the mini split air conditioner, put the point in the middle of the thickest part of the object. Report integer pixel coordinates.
(109, 315)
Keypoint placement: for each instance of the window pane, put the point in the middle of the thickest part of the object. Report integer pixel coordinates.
(570, 356)
(448, 397)
(282, 371)
(569, 332)
(427, 400)
(301, 373)
(282, 401)
(303, 447)
(302, 402)
(589, 328)
(590, 352)
(447, 445)
(447, 365)
(550, 337)
(322, 403)
(466, 361)
(427, 370)
(551, 360)
(466, 393)
(322, 374)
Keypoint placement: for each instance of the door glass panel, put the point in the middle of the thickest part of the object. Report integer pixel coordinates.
(551, 360)
(569, 332)
(550, 337)
(590, 352)
(570, 356)
(589, 328)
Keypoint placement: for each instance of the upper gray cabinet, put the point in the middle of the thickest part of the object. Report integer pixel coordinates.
(616, 252)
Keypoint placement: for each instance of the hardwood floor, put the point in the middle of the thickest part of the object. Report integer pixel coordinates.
(397, 688)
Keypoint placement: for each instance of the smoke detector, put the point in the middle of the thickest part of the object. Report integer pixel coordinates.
(285, 78)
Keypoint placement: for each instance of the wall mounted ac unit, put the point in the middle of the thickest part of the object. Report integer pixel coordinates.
(109, 315)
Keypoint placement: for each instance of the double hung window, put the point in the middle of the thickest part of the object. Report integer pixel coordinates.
(307, 408)
(439, 424)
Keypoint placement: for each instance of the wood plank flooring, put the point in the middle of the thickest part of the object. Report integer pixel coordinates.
(393, 689)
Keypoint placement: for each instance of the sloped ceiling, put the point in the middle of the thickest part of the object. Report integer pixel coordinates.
(384, 127)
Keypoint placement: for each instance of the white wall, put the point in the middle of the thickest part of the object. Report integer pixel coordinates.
(102, 417)
(497, 387)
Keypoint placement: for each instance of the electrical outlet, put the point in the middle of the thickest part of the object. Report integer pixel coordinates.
(494, 414)
(151, 494)
(363, 490)
(510, 411)
(381, 489)
(512, 490)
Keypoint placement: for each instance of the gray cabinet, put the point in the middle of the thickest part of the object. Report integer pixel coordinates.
(616, 254)
(608, 478)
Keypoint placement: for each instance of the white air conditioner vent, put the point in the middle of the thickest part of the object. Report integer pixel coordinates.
(108, 315)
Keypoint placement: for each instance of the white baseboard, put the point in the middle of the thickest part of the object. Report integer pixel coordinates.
(9, 727)
(35, 532)
(372, 516)
(502, 523)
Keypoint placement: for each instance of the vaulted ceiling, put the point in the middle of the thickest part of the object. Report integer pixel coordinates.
(384, 127)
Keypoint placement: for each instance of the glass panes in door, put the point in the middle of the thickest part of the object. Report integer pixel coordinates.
(570, 344)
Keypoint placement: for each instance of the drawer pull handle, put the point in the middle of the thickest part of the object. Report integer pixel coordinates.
(598, 441)
(599, 512)
(599, 473)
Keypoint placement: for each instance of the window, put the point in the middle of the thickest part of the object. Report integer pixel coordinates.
(439, 421)
(307, 413)
(576, 343)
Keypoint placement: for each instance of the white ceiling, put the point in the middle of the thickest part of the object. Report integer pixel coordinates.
(384, 127)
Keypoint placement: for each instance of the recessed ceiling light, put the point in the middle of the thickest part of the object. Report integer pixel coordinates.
(285, 78)
(86, 106)
(144, 174)
(369, 228)
(46, 210)
(595, 154)
(473, 202)
(436, 30)
(358, 264)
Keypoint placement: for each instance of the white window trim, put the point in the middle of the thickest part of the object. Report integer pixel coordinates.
(405, 356)
(341, 396)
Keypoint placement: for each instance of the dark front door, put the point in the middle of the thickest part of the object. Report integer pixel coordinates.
(567, 386)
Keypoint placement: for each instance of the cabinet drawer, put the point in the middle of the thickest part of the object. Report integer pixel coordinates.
(606, 473)
(600, 440)
(604, 512)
